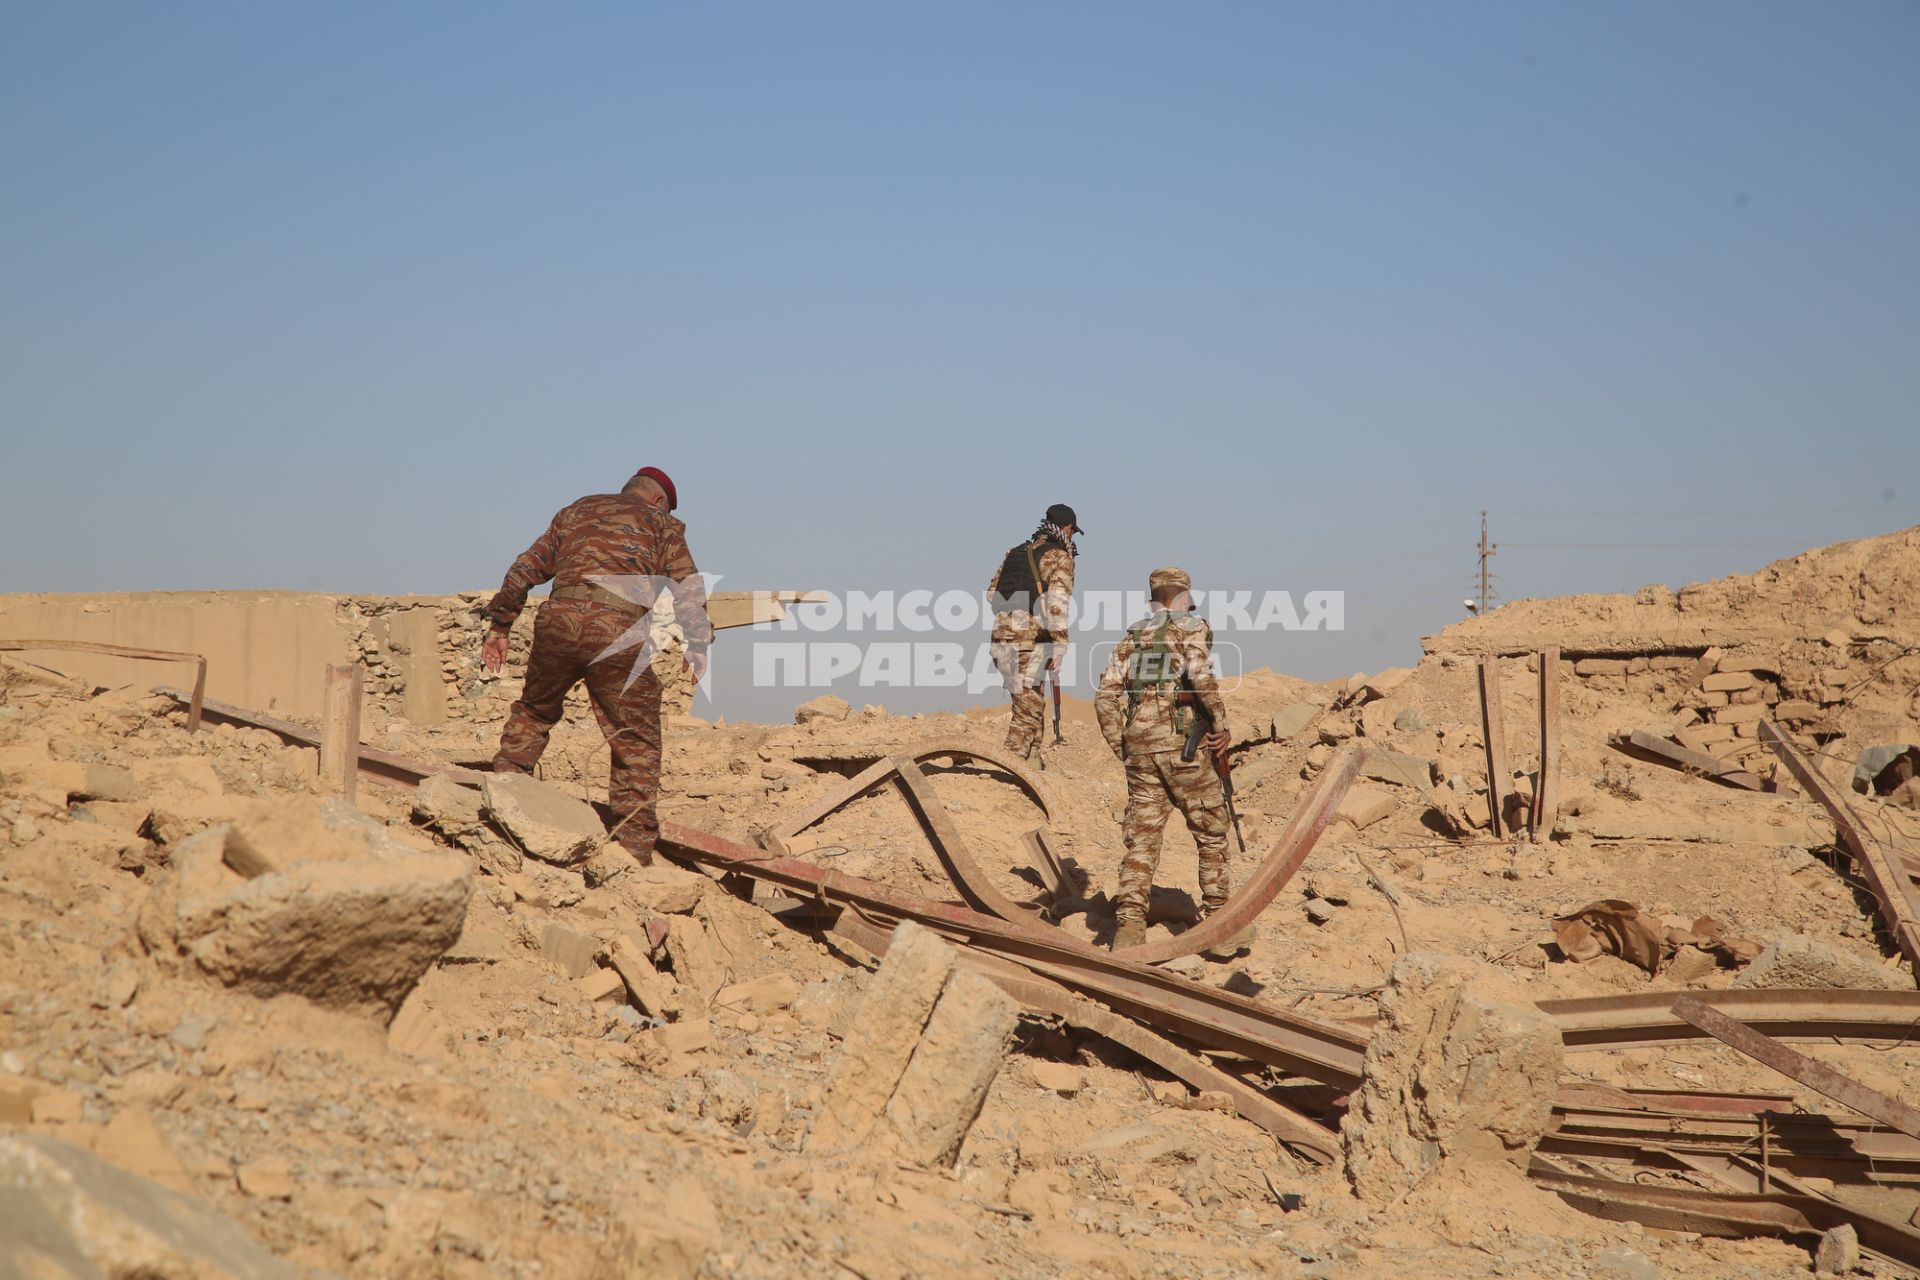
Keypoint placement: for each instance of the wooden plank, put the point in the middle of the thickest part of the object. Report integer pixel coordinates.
(1641, 743)
(1899, 905)
(1790, 1062)
(1493, 729)
(1546, 788)
(340, 730)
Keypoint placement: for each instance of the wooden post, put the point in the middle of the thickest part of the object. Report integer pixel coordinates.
(340, 729)
(1546, 787)
(1494, 730)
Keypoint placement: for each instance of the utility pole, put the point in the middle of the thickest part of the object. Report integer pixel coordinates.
(1487, 550)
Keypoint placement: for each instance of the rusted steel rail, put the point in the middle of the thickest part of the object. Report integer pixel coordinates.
(1278, 867)
(194, 701)
(1494, 733)
(1546, 788)
(1808, 1071)
(375, 765)
(1648, 746)
(1899, 905)
(1647, 1018)
(1726, 1213)
(1206, 1015)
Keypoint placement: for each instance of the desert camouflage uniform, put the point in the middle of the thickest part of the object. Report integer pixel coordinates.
(1023, 640)
(1158, 781)
(612, 535)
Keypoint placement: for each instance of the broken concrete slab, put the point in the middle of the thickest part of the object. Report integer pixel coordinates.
(1292, 719)
(543, 820)
(945, 1084)
(1363, 806)
(119, 1223)
(1810, 963)
(882, 1037)
(1397, 767)
(760, 995)
(1461, 1071)
(132, 1141)
(348, 918)
(573, 951)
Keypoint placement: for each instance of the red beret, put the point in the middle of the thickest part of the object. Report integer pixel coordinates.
(659, 477)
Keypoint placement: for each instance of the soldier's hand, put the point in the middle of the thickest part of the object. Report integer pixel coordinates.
(494, 652)
(1217, 741)
(1053, 660)
(696, 664)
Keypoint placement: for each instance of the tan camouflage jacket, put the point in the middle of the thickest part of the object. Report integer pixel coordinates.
(1056, 591)
(607, 535)
(1152, 729)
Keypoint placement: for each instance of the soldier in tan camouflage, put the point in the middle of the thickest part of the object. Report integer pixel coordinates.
(1030, 594)
(608, 555)
(1163, 655)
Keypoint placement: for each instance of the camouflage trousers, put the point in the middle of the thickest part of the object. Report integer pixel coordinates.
(567, 636)
(1157, 784)
(1023, 668)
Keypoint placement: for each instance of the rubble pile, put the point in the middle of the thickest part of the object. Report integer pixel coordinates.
(248, 1029)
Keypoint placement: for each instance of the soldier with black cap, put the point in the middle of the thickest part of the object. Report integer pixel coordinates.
(1030, 595)
(608, 555)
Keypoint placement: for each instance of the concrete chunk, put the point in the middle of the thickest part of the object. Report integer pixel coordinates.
(881, 1041)
(1396, 767)
(945, 1085)
(346, 916)
(1727, 681)
(1364, 806)
(1810, 963)
(547, 822)
(1461, 1071)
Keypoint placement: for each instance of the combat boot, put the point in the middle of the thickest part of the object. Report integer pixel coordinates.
(1129, 933)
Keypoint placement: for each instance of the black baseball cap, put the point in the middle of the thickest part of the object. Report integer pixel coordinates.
(1061, 514)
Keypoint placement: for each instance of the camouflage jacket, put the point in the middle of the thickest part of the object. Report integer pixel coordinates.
(608, 535)
(1153, 727)
(1049, 621)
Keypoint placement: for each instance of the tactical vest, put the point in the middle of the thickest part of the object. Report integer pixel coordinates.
(1151, 668)
(1019, 589)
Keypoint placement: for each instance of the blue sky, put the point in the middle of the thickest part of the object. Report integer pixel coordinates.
(352, 297)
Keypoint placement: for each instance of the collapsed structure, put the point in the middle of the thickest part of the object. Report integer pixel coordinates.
(1603, 914)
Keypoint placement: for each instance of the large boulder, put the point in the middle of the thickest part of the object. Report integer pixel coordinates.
(545, 821)
(1460, 1072)
(67, 1213)
(311, 898)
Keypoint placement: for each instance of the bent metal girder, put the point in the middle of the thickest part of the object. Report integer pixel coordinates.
(1280, 865)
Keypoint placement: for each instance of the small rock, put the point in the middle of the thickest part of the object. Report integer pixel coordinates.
(1319, 910)
(1186, 966)
(1622, 1263)
(1057, 1077)
(1364, 806)
(825, 707)
(1839, 1251)
(1410, 721)
(268, 1179)
(189, 1034)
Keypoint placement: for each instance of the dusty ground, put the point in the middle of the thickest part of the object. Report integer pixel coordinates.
(507, 1124)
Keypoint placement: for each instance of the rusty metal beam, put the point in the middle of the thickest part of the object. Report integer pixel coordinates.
(1644, 745)
(1494, 733)
(194, 702)
(1726, 1213)
(1899, 905)
(376, 765)
(1546, 788)
(951, 847)
(1646, 1018)
(1278, 867)
(1808, 1071)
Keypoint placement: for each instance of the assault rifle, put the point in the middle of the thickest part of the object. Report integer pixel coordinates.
(1202, 725)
